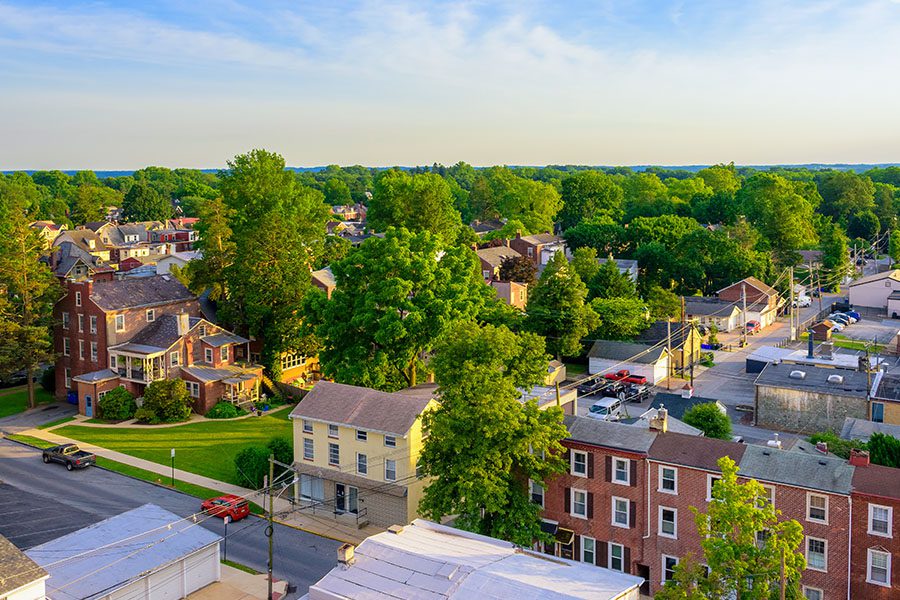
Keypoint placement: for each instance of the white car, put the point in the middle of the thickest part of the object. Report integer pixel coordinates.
(802, 302)
(837, 327)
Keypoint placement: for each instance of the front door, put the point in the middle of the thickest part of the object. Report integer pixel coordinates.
(346, 498)
(88, 406)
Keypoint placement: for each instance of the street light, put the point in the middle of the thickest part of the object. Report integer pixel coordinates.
(173, 467)
(227, 520)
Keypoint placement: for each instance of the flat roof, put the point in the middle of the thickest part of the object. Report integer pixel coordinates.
(815, 379)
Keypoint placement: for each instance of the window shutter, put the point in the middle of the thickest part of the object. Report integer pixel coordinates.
(633, 478)
(567, 496)
(609, 468)
(632, 513)
(576, 548)
(590, 505)
(590, 465)
(568, 458)
(602, 554)
(626, 559)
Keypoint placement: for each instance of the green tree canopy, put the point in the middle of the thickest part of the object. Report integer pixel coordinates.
(781, 212)
(610, 283)
(845, 193)
(709, 419)
(620, 318)
(584, 262)
(864, 225)
(588, 195)
(143, 203)
(498, 192)
(603, 234)
(90, 203)
(417, 202)
(337, 192)
(662, 304)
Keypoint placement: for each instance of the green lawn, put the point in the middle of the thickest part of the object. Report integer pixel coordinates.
(15, 400)
(842, 341)
(206, 448)
(56, 422)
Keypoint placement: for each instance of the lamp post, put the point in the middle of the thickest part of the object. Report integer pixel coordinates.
(173, 467)
(227, 519)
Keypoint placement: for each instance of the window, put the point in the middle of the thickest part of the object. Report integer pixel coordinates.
(390, 470)
(68, 375)
(332, 430)
(67, 346)
(77, 298)
(80, 323)
(816, 554)
(616, 557)
(668, 479)
(93, 323)
(579, 504)
(309, 452)
(151, 315)
(307, 426)
(588, 550)
(93, 351)
(812, 593)
(193, 388)
(530, 251)
(620, 512)
(710, 482)
(878, 412)
(880, 518)
(537, 493)
(312, 488)
(223, 353)
(201, 331)
(81, 349)
(390, 441)
(621, 471)
(579, 463)
(334, 454)
(120, 322)
(65, 320)
(291, 360)
(879, 568)
(362, 464)
(174, 358)
(486, 273)
(668, 526)
(208, 355)
(817, 508)
(668, 567)
(113, 362)
(361, 435)
(769, 495)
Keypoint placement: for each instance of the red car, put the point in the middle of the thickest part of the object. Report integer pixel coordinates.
(228, 505)
(626, 376)
(752, 327)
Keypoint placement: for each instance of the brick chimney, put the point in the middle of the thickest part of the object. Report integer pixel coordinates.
(859, 458)
(822, 447)
(184, 323)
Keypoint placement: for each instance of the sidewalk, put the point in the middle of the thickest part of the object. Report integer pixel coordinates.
(238, 585)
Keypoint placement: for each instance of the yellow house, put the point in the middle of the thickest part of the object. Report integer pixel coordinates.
(356, 450)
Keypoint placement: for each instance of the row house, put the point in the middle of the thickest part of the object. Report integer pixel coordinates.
(761, 299)
(174, 240)
(539, 248)
(625, 504)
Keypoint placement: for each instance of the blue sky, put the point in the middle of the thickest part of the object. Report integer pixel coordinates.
(109, 85)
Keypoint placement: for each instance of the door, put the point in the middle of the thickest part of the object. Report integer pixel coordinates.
(88, 406)
(878, 412)
(346, 498)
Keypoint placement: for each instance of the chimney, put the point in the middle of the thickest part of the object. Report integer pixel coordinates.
(776, 443)
(826, 350)
(687, 391)
(809, 353)
(345, 554)
(184, 323)
(822, 447)
(859, 458)
(660, 422)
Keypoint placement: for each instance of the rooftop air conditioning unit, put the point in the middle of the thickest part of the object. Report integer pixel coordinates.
(798, 375)
(836, 379)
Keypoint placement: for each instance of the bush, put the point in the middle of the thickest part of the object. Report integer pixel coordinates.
(283, 450)
(146, 415)
(168, 399)
(117, 405)
(251, 466)
(225, 410)
(884, 450)
(710, 420)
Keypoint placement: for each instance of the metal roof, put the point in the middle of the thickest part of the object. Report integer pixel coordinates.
(222, 338)
(620, 436)
(96, 376)
(627, 352)
(97, 560)
(817, 472)
(206, 373)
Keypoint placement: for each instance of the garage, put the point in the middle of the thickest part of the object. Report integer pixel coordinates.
(650, 361)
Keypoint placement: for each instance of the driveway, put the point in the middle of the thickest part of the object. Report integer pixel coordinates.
(37, 417)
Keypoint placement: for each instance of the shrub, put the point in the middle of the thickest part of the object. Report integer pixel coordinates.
(225, 410)
(837, 446)
(146, 415)
(710, 420)
(251, 466)
(168, 399)
(884, 450)
(117, 405)
(283, 450)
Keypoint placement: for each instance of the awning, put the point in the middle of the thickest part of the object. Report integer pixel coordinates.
(549, 527)
(565, 536)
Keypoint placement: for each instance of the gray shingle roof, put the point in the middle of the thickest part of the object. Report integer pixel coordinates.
(16, 569)
(626, 351)
(708, 307)
(543, 238)
(816, 379)
(610, 435)
(495, 255)
(131, 293)
(161, 333)
(361, 407)
(797, 468)
(95, 376)
(68, 255)
(676, 405)
(694, 451)
(861, 429)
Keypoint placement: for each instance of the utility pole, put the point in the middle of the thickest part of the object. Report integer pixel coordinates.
(682, 337)
(271, 529)
(744, 314)
(669, 353)
(793, 331)
(819, 287)
(692, 353)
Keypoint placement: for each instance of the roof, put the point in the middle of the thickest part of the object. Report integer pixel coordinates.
(162, 332)
(81, 237)
(892, 274)
(360, 407)
(206, 373)
(694, 451)
(546, 395)
(487, 226)
(709, 307)
(676, 405)
(68, 255)
(96, 376)
(95, 225)
(810, 256)
(186, 256)
(877, 480)
(626, 352)
(854, 383)
(861, 429)
(608, 434)
(495, 255)
(543, 238)
(756, 283)
(672, 424)
(817, 472)
(16, 569)
(131, 293)
(325, 277)
(659, 331)
(132, 348)
(427, 561)
(624, 264)
(156, 538)
(223, 338)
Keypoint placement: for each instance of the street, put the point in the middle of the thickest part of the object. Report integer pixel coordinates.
(41, 502)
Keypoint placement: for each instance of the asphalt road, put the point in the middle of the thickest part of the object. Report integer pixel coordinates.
(41, 502)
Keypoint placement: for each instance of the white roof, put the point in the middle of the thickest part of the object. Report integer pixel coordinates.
(801, 357)
(427, 561)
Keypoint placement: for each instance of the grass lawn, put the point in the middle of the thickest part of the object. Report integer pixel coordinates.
(56, 422)
(15, 400)
(575, 369)
(842, 341)
(206, 448)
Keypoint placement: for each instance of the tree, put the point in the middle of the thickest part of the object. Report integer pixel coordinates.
(609, 282)
(606, 236)
(864, 225)
(216, 250)
(666, 229)
(498, 192)
(783, 215)
(417, 202)
(395, 298)
(336, 192)
(884, 450)
(835, 253)
(334, 249)
(143, 203)
(646, 196)
(709, 419)
(556, 308)
(845, 193)
(662, 304)
(483, 443)
(894, 248)
(587, 195)
(165, 401)
(117, 405)
(520, 269)
(89, 203)
(885, 210)
(584, 262)
(251, 466)
(620, 318)
(740, 564)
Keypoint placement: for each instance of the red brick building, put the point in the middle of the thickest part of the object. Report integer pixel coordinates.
(876, 530)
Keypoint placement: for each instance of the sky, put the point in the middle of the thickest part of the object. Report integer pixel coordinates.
(122, 85)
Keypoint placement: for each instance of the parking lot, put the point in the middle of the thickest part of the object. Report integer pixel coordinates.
(26, 527)
(884, 331)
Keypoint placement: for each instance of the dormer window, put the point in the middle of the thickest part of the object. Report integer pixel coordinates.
(91, 244)
(208, 355)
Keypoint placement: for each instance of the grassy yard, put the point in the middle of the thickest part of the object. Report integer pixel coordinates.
(15, 400)
(56, 422)
(842, 341)
(206, 448)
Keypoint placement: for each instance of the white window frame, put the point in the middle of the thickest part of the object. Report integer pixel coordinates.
(710, 481)
(887, 582)
(307, 426)
(393, 464)
(390, 441)
(119, 323)
(614, 512)
(572, 503)
(65, 320)
(333, 431)
(94, 352)
(573, 462)
(771, 490)
(890, 520)
(661, 533)
(662, 571)
(616, 461)
(820, 596)
(67, 347)
(309, 449)
(809, 566)
(92, 323)
(80, 322)
(67, 374)
(193, 388)
(223, 353)
(531, 487)
(174, 358)
(809, 497)
(362, 460)
(114, 361)
(593, 552)
(80, 349)
(362, 435)
(77, 298)
(334, 449)
(151, 315)
(660, 488)
(208, 355)
(610, 557)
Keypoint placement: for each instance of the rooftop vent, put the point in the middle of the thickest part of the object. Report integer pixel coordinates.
(395, 529)
(836, 379)
(776, 443)
(345, 554)
(822, 447)
(798, 375)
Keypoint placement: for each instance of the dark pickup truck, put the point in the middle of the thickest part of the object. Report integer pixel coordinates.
(69, 455)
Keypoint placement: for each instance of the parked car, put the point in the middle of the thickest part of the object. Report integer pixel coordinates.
(853, 313)
(614, 389)
(841, 305)
(626, 376)
(226, 506)
(802, 302)
(752, 327)
(70, 455)
(606, 409)
(839, 318)
(637, 393)
(837, 326)
(591, 387)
